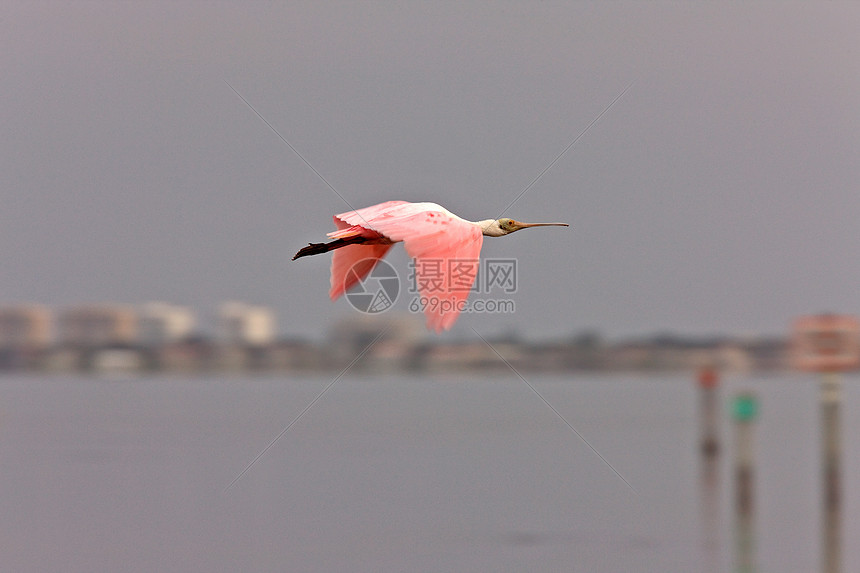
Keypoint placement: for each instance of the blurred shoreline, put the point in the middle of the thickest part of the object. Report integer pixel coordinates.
(161, 338)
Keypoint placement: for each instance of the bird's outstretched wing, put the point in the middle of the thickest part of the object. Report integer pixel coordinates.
(446, 251)
(351, 264)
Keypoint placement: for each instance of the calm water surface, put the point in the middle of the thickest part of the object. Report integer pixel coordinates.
(401, 473)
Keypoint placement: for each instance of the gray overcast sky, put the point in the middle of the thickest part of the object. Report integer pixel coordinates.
(719, 195)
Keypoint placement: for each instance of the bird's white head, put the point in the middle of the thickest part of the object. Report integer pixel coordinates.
(505, 226)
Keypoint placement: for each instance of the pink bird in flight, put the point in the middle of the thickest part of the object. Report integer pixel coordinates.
(429, 232)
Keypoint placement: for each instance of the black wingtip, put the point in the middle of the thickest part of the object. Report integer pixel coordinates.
(311, 249)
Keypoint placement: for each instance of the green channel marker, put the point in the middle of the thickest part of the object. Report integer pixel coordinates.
(745, 407)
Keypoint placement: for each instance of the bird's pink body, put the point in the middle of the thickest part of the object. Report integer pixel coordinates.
(445, 248)
(433, 236)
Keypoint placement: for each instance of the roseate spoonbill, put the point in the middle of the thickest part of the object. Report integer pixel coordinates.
(431, 234)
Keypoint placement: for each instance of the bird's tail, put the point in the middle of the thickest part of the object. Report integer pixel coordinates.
(319, 248)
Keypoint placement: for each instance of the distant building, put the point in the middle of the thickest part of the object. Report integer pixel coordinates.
(113, 360)
(385, 341)
(295, 355)
(97, 325)
(25, 326)
(242, 324)
(460, 356)
(160, 323)
(184, 356)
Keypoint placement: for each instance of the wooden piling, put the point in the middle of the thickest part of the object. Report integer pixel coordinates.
(831, 461)
(744, 413)
(707, 382)
(709, 411)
